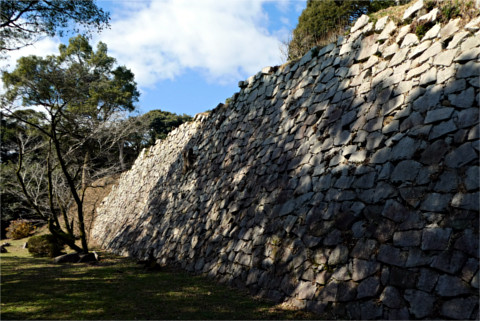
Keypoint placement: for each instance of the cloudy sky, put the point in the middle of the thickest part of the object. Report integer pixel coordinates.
(188, 55)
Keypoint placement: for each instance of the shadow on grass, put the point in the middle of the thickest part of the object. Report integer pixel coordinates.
(33, 288)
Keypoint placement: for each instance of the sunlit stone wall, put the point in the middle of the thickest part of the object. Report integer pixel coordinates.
(346, 183)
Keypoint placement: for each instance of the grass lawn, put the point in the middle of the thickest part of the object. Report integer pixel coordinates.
(118, 288)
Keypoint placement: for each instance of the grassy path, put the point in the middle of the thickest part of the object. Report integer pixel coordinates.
(118, 288)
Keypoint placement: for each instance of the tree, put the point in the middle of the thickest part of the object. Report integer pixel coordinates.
(81, 95)
(159, 123)
(24, 22)
(323, 20)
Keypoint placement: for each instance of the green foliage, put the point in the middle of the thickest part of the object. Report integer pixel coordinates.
(83, 95)
(159, 123)
(45, 245)
(450, 10)
(19, 229)
(322, 21)
(24, 22)
(421, 30)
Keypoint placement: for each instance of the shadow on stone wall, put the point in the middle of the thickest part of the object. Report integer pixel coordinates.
(307, 190)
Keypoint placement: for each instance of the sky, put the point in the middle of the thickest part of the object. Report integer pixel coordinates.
(189, 55)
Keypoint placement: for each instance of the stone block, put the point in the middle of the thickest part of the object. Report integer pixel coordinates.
(442, 129)
(427, 280)
(461, 156)
(459, 308)
(449, 286)
(407, 238)
(465, 99)
(466, 201)
(391, 298)
(436, 202)
(339, 255)
(412, 10)
(391, 255)
(306, 290)
(405, 171)
(370, 287)
(438, 115)
(435, 238)
(362, 269)
(421, 304)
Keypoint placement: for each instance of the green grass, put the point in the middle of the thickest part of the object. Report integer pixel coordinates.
(118, 288)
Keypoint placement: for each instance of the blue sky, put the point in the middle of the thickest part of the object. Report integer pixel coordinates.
(189, 55)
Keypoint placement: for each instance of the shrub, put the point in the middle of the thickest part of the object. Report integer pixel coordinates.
(45, 245)
(19, 229)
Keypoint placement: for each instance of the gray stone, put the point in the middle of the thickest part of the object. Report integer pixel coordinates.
(461, 156)
(364, 249)
(391, 255)
(434, 152)
(387, 31)
(370, 310)
(438, 114)
(428, 77)
(391, 298)
(467, 117)
(418, 5)
(449, 29)
(459, 308)
(435, 238)
(430, 17)
(360, 23)
(466, 201)
(449, 286)
(467, 70)
(306, 290)
(407, 238)
(471, 54)
(464, 99)
(361, 269)
(432, 33)
(381, 23)
(436, 202)
(404, 149)
(447, 182)
(429, 99)
(304, 186)
(395, 211)
(468, 243)
(368, 288)
(434, 50)
(405, 171)
(421, 304)
(449, 261)
(442, 129)
(338, 255)
(368, 48)
(409, 40)
(445, 58)
(416, 257)
(427, 280)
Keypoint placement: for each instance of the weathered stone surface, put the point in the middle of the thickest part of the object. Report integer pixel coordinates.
(346, 182)
(435, 238)
(421, 304)
(460, 308)
(406, 170)
(391, 255)
(451, 286)
(418, 5)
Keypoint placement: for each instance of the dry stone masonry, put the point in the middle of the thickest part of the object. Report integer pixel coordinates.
(345, 183)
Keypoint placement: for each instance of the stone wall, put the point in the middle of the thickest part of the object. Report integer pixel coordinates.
(346, 183)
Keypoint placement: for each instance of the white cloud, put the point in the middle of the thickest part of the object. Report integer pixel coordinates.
(224, 40)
